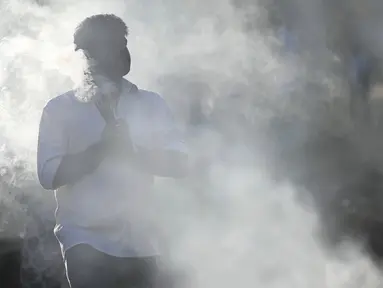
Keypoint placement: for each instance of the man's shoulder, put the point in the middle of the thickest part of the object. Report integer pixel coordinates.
(148, 95)
(144, 96)
(57, 107)
(57, 103)
(152, 99)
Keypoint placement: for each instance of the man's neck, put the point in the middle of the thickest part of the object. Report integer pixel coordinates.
(111, 88)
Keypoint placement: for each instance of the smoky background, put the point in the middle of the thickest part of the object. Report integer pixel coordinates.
(282, 186)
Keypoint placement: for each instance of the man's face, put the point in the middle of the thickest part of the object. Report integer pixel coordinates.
(110, 58)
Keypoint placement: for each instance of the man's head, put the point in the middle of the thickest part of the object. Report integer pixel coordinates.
(103, 40)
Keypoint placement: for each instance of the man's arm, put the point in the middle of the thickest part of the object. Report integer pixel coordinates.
(56, 168)
(168, 155)
(74, 167)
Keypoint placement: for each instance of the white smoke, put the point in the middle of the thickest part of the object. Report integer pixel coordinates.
(239, 227)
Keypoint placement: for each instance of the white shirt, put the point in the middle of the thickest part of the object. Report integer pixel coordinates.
(107, 209)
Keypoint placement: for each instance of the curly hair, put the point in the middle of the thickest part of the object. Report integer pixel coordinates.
(98, 27)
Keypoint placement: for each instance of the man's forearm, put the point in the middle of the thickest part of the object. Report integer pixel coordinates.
(74, 167)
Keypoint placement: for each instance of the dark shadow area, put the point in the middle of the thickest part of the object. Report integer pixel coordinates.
(10, 262)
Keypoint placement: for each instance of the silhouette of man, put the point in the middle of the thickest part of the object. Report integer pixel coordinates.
(99, 148)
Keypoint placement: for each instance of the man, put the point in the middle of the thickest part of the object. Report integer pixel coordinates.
(99, 147)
